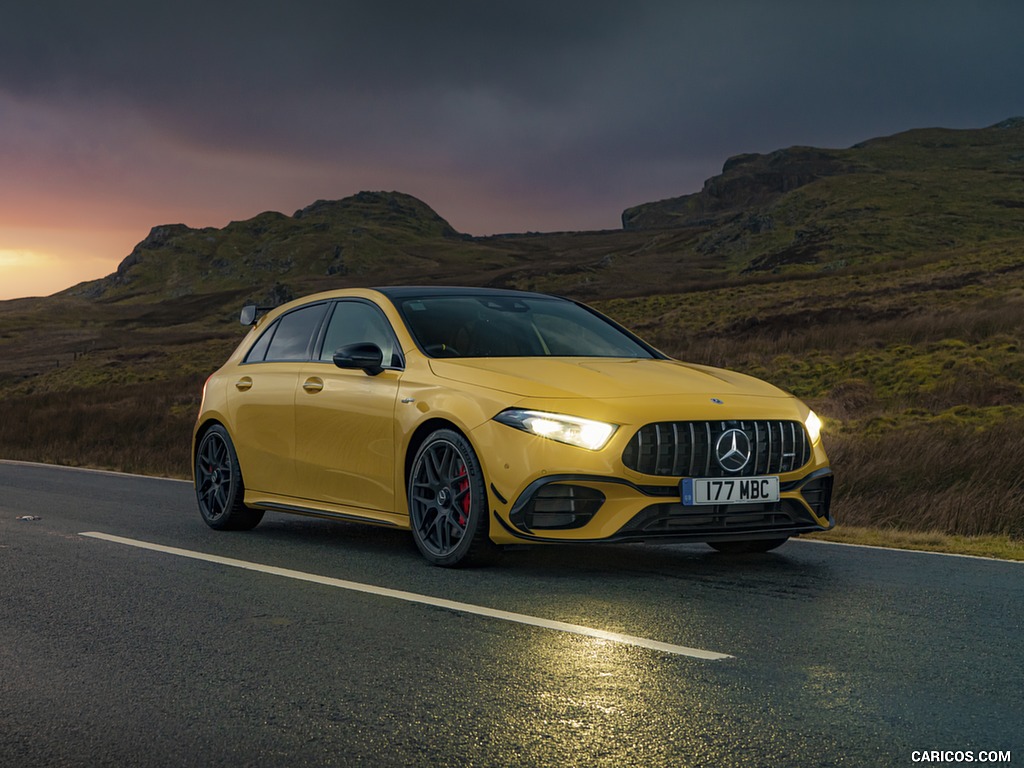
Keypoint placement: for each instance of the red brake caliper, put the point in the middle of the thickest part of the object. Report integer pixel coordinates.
(463, 485)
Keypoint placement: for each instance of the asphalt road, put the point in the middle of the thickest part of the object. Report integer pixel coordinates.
(112, 654)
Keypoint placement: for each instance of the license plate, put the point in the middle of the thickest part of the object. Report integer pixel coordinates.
(697, 491)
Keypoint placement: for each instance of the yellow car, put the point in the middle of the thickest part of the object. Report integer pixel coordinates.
(479, 418)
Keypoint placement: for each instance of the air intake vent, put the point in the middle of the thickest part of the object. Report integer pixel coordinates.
(559, 507)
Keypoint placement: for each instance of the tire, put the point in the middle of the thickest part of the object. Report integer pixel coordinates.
(747, 547)
(218, 481)
(448, 502)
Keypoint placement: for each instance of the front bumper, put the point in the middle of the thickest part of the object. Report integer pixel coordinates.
(544, 491)
(659, 515)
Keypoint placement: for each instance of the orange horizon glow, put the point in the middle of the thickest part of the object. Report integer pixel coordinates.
(26, 274)
(41, 262)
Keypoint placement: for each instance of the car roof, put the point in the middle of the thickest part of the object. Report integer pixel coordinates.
(427, 291)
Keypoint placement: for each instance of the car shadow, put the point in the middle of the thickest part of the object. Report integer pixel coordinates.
(789, 570)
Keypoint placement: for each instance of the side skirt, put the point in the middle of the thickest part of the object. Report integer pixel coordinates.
(346, 514)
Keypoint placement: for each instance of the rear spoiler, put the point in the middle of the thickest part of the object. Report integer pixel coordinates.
(251, 314)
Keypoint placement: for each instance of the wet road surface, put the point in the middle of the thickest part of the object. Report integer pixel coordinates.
(114, 654)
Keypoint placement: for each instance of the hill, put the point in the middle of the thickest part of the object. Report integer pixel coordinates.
(367, 233)
(883, 283)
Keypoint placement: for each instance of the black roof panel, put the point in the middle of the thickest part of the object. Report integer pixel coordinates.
(426, 291)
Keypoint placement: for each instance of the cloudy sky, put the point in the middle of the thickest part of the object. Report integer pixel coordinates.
(119, 115)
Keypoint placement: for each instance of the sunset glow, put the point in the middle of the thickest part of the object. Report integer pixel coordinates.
(29, 273)
(37, 261)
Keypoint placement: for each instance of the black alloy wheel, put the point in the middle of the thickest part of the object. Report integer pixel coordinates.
(218, 481)
(448, 502)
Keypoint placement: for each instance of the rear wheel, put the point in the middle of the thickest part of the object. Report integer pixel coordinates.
(747, 547)
(218, 481)
(448, 502)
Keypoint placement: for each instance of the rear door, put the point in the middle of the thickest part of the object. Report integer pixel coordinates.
(263, 411)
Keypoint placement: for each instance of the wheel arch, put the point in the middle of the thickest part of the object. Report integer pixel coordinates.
(201, 430)
(419, 435)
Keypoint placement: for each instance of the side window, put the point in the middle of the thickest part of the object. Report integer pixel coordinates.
(259, 349)
(353, 322)
(294, 334)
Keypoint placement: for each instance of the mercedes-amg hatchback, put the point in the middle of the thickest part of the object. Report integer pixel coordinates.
(478, 417)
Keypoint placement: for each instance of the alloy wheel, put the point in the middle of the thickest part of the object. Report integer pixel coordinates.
(441, 498)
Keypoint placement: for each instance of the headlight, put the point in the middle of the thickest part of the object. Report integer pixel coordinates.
(813, 424)
(583, 433)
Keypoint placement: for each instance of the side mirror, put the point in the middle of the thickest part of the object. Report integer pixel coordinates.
(365, 356)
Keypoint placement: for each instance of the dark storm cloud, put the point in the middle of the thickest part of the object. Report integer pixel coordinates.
(576, 99)
(97, 39)
(316, 77)
(334, 54)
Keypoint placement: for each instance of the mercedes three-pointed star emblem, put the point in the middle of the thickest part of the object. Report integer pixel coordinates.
(733, 450)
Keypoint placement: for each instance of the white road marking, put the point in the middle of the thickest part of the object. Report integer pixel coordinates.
(412, 597)
(910, 551)
(94, 471)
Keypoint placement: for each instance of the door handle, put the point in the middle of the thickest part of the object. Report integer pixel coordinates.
(243, 384)
(313, 385)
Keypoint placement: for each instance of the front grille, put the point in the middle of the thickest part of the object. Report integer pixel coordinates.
(688, 448)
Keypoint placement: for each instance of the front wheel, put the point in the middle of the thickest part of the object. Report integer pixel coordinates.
(218, 480)
(747, 547)
(448, 502)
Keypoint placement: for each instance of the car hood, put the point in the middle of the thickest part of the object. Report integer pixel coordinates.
(599, 378)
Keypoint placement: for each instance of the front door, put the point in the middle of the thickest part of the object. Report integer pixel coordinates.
(344, 419)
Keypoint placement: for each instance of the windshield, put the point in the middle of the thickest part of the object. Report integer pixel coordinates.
(506, 326)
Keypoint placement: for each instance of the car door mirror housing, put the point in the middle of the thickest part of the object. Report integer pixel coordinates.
(365, 356)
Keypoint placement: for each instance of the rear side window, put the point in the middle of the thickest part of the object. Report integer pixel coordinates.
(291, 336)
(259, 349)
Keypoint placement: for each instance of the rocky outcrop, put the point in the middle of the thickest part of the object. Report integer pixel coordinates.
(755, 182)
(386, 208)
(747, 181)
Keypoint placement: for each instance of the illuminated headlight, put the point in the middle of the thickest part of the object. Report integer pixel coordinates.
(813, 424)
(583, 433)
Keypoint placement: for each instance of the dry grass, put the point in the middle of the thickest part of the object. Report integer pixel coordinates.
(142, 428)
(954, 479)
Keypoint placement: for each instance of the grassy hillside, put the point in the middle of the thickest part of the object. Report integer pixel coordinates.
(883, 283)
